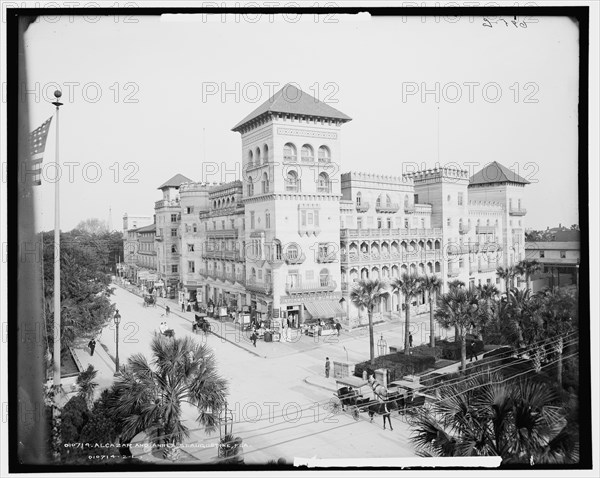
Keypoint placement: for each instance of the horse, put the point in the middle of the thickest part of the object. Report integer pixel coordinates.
(347, 396)
(378, 389)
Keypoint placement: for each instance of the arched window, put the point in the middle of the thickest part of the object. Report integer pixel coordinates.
(290, 153)
(378, 202)
(358, 198)
(406, 200)
(265, 154)
(324, 277)
(324, 154)
(265, 183)
(307, 154)
(253, 274)
(388, 200)
(257, 157)
(250, 186)
(250, 159)
(267, 220)
(323, 184)
(292, 184)
(173, 248)
(214, 204)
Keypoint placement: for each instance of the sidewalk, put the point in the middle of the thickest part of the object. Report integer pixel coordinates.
(101, 362)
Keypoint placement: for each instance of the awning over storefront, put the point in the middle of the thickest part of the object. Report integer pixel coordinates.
(324, 309)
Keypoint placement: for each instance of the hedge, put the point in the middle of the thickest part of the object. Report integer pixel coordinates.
(451, 350)
(397, 363)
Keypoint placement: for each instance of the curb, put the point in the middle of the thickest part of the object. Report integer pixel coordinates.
(307, 380)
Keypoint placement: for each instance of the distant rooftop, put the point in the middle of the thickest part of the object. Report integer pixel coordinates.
(175, 181)
(496, 173)
(149, 228)
(291, 100)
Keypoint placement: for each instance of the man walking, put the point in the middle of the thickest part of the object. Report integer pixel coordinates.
(410, 340)
(253, 337)
(92, 346)
(182, 306)
(338, 327)
(167, 310)
(472, 352)
(327, 366)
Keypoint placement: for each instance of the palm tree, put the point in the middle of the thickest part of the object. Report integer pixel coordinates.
(367, 294)
(558, 311)
(528, 268)
(151, 395)
(409, 285)
(487, 294)
(87, 386)
(458, 308)
(455, 284)
(432, 284)
(486, 415)
(508, 274)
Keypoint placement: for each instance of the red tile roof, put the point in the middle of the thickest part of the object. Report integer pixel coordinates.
(175, 181)
(293, 101)
(495, 173)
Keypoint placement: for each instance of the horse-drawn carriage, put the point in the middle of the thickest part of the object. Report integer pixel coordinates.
(358, 395)
(201, 323)
(411, 395)
(149, 301)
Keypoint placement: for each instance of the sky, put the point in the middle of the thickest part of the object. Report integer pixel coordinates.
(146, 98)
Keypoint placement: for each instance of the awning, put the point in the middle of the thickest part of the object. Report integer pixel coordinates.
(324, 309)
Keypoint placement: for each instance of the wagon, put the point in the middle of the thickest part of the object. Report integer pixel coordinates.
(149, 300)
(201, 323)
(413, 394)
(349, 395)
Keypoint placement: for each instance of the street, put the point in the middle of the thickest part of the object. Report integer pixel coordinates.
(275, 412)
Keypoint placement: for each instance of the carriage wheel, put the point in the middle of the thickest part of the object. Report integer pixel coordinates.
(355, 414)
(334, 406)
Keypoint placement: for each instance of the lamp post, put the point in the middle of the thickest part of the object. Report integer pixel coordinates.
(381, 346)
(117, 319)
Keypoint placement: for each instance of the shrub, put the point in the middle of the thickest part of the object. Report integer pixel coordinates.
(426, 350)
(398, 364)
(451, 350)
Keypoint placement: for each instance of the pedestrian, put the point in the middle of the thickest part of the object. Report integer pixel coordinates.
(182, 306)
(253, 337)
(338, 327)
(92, 346)
(327, 367)
(410, 340)
(472, 352)
(167, 310)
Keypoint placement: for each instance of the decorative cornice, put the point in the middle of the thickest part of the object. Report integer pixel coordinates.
(306, 132)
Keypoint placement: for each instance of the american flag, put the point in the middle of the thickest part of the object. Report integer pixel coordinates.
(37, 145)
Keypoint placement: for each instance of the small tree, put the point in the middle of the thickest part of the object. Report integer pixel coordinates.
(508, 274)
(150, 396)
(367, 294)
(528, 268)
(458, 308)
(409, 285)
(432, 284)
(87, 386)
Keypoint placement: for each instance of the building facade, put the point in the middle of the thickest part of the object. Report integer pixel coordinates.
(291, 237)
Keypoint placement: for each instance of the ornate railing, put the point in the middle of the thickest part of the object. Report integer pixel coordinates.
(517, 211)
(316, 286)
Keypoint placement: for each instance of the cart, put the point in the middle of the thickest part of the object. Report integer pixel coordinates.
(413, 394)
(201, 323)
(349, 395)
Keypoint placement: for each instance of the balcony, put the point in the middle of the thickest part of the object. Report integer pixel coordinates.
(362, 207)
(166, 203)
(223, 233)
(226, 255)
(485, 229)
(261, 287)
(487, 268)
(517, 211)
(463, 229)
(308, 286)
(453, 273)
(295, 260)
(393, 256)
(387, 209)
(409, 209)
(391, 233)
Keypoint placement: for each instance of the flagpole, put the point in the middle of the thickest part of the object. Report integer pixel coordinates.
(57, 318)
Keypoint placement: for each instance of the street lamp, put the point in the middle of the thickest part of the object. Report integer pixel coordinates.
(117, 319)
(381, 346)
